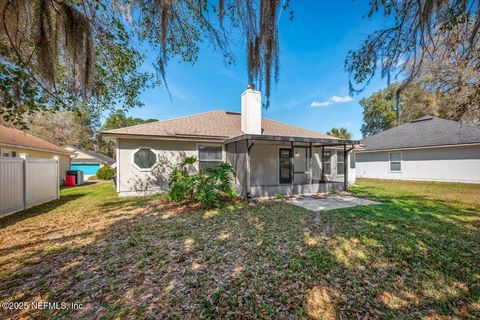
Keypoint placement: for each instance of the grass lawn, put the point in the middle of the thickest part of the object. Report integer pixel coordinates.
(417, 255)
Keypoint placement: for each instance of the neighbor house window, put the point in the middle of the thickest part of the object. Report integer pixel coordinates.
(327, 162)
(209, 156)
(145, 159)
(395, 161)
(8, 153)
(352, 160)
(340, 162)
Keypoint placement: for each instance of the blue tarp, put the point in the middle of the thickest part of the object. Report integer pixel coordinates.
(87, 169)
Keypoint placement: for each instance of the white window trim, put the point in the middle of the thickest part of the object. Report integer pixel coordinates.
(390, 162)
(132, 158)
(211, 145)
(6, 150)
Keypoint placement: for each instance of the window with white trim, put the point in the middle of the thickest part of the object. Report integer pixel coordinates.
(8, 153)
(395, 159)
(340, 162)
(145, 159)
(209, 156)
(352, 160)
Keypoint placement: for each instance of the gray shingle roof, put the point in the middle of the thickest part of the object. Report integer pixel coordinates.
(99, 157)
(219, 125)
(423, 132)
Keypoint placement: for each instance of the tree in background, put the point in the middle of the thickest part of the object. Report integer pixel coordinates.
(382, 111)
(341, 133)
(436, 43)
(65, 127)
(118, 119)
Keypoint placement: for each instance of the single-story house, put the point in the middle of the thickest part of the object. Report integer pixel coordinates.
(88, 161)
(428, 148)
(268, 156)
(16, 143)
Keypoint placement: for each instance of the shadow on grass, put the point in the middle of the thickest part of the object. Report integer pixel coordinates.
(406, 258)
(43, 208)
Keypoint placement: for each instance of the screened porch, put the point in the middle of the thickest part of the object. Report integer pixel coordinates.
(269, 165)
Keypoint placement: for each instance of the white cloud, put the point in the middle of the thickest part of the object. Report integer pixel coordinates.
(320, 104)
(341, 99)
(331, 100)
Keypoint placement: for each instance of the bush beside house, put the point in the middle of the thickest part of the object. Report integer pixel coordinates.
(209, 188)
(105, 173)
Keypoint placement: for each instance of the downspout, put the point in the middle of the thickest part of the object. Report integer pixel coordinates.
(248, 169)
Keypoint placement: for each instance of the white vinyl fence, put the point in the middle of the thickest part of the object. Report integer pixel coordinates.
(27, 182)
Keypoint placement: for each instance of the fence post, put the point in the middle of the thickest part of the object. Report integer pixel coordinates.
(57, 174)
(24, 161)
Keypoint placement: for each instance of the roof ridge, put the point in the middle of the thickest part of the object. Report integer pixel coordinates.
(163, 121)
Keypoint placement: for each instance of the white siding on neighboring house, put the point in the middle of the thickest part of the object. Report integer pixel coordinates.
(455, 164)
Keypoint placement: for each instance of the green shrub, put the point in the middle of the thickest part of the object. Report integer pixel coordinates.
(278, 195)
(209, 189)
(106, 172)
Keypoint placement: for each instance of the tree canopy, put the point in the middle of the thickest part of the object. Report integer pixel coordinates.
(59, 54)
(118, 119)
(341, 133)
(432, 41)
(384, 110)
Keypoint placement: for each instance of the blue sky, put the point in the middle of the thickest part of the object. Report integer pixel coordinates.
(313, 87)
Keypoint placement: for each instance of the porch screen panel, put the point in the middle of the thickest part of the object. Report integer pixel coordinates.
(340, 162)
(327, 162)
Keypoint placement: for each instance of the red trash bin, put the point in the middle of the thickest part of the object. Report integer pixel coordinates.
(70, 181)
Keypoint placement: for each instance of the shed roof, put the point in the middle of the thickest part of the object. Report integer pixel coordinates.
(95, 157)
(426, 131)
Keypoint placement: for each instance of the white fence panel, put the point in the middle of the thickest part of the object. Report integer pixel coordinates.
(27, 182)
(11, 184)
(41, 181)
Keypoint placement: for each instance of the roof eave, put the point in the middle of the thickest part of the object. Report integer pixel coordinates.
(165, 137)
(66, 152)
(366, 149)
(322, 141)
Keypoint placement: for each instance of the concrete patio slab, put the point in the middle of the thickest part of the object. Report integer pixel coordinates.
(329, 202)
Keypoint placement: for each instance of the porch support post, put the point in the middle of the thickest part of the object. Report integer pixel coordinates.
(322, 158)
(247, 170)
(235, 161)
(292, 169)
(310, 164)
(345, 168)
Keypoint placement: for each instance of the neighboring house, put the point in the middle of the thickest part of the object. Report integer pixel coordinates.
(88, 161)
(16, 143)
(427, 148)
(268, 156)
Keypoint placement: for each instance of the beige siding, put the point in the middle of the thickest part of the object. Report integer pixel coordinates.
(132, 181)
(63, 160)
(264, 160)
